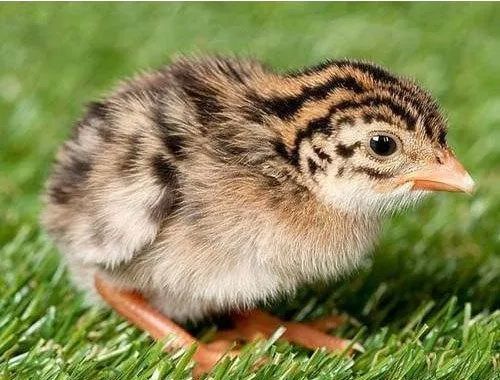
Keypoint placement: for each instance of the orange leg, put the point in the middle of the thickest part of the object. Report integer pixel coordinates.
(259, 324)
(137, 310)
(248, 326)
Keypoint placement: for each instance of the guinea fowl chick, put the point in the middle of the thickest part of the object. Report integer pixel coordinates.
(213, 184)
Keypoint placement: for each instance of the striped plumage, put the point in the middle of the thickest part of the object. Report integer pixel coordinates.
(214, 183)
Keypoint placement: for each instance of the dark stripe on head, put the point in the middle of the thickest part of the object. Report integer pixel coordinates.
(345, 120)
(340, 172)
(322, 155)
(321, 91)
(374, 173)
(320, 125)
(376, 72)
(428, 130)
(286, 107)
(442, 137)
(373, 115)
(415, 97)
(410, 95)
(323, 124)
(435, 128)
(398, 110)
(312, 166)
(294, 157)
(367, 118)
(382, 118)
(346, 151)
(422, 102)
(376, 101)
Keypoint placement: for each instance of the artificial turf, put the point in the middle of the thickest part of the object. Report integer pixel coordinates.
(424, 306)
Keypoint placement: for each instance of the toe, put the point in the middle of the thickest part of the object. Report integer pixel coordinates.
(207, 356)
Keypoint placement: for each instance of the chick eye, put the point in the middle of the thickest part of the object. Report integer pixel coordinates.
(382, 145)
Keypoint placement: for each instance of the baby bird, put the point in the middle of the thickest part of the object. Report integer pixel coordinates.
(215, 183)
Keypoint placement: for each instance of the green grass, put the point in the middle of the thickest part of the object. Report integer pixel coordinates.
(427, 303)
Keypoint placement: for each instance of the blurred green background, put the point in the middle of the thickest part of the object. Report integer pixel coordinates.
(437, 266)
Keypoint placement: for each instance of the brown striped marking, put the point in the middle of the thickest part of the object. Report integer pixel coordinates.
(174, 143)
(376, 72)
(204, 97)
(320, 125)
(99, 111)
(410, 93)
(68, 179)
(346, 151)
(374, 173)
(163, 171)
(322, 155)
(313, 166)
(128, 164)
(287, 107)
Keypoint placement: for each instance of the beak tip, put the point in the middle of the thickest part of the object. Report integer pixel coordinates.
(448, 175)
(469, 185)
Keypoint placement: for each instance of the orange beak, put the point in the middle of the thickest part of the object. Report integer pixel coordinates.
(449, 175)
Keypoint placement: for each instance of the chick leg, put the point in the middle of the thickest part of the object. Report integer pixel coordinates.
(138, 311)
(258, 324)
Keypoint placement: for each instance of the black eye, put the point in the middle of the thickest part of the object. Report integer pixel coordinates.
(383, 145)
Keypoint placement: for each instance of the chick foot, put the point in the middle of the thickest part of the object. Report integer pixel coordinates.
(261, 325)
(249, 326)
(135, 308)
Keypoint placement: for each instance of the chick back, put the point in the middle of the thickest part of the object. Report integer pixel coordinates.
(116, 179)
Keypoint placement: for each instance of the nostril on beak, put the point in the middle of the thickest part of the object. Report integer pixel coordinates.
(440, 155)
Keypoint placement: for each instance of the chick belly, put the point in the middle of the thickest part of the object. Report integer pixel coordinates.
(188, 283)
(223, 292)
